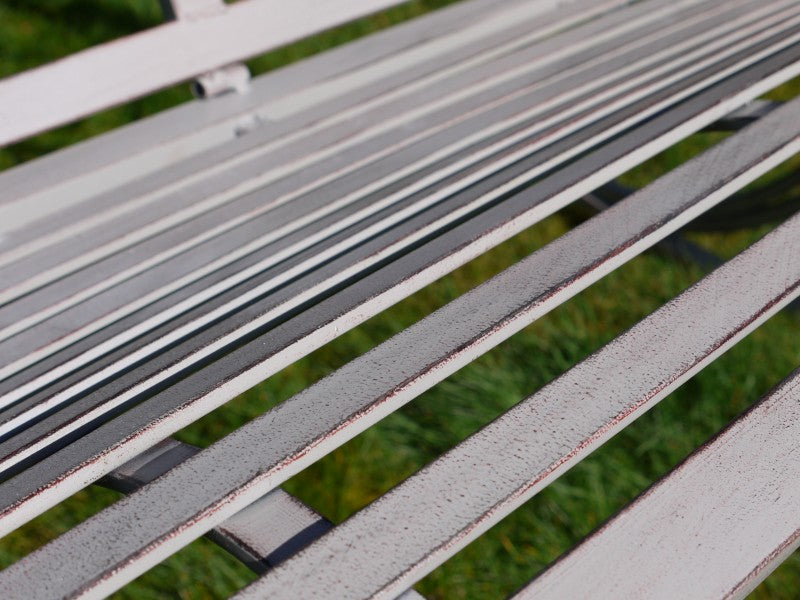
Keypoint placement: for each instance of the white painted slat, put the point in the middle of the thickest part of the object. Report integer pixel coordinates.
(261, 536)
(250, 173)
(603, 29)
(713, 528)
(187, 502)
(65, 339)
(411, 530)
(125, 69)
(28, 202)
(123, 541)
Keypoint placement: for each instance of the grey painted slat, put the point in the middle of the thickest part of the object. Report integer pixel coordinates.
(18, 342)
(419, 524)
(40, 261)
(286, 341)
(715, 527)
(745, 115)
(298, 431)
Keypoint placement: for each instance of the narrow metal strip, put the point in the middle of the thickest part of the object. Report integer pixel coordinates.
(150, 144)
(67, 292)
(262, 536)
(292, 341)
(131, 67)
(18, 315)
(469, 489)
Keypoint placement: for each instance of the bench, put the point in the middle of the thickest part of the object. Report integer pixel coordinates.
(153, 274)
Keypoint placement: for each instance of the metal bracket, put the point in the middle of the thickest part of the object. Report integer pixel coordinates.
(190, 10)
(231, 78)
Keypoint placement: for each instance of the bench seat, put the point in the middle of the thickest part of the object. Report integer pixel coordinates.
(153, 274)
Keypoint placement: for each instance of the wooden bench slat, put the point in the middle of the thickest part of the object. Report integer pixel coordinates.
(54, 371)
(715, 527)
(286, 342)
(337, 408)
(406, 533)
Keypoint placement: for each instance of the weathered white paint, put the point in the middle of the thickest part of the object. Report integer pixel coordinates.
(713, 528)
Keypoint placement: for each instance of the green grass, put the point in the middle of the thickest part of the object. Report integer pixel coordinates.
(352, 476)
